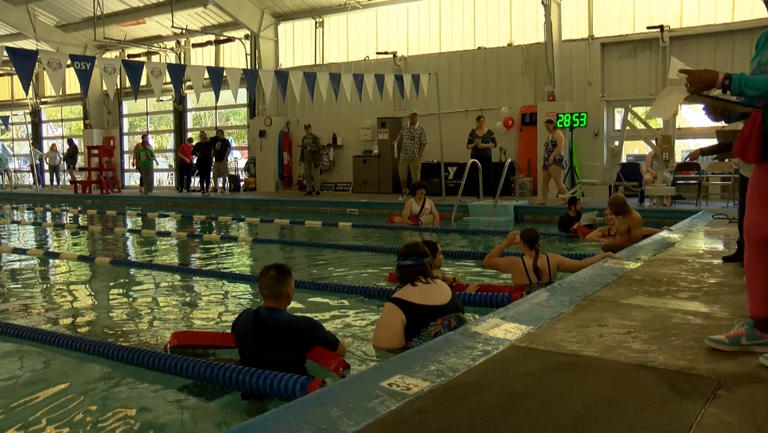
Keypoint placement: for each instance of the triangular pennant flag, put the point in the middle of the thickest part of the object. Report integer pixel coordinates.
(134, 69)
(296, 78)
(5, 120)
(176, 72)
(55, 65)
(251, 79)
(425, 83)
(110, 69)
(83, 66)
(369, 85)
(267, 79)
(346, 83)
(196, 74)
(416, 78)
(400, 85)
(322, 83)
(358, 79)
(282, 82)
(156, 74)
(310, 78)
(407, 85)
(335, 79)
(389, 83)
(233, 78)
(380, 84)
(23, 62)
(216, 75)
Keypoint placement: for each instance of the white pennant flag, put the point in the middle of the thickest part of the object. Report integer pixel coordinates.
(195, 73)
(233, 78)
(296, 77)
(389, 84)
(323, 81)
(156, 75)
(347, 82)
(370, 84)
(55, 65)
(110, 70)
(407, 83)
(267, 80)
(424, 84)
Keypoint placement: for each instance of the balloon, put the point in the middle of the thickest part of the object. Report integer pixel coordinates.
(499, 125)
(509, 122)
(504, 110)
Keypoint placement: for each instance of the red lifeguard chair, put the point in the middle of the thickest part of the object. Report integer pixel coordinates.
(100, 169)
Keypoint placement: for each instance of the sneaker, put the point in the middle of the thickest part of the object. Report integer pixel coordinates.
(763, 360)
(744, 337)
(404, 194)
(317, 192)
(308, 193)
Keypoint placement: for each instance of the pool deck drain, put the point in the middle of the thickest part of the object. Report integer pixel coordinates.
(639, 336)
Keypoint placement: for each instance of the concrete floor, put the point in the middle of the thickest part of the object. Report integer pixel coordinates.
(639, 344)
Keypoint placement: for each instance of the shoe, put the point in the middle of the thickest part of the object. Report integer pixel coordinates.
(308, 193)
(317, 192)
(763, 360)
(737, 257)
(404, 194)
(744, 337)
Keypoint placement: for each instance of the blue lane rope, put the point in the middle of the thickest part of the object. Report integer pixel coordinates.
(260, 382)
(310, 223)
(458, 254)
(483, 300)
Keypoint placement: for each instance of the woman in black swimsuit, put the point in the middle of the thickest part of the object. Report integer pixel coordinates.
(534, 269)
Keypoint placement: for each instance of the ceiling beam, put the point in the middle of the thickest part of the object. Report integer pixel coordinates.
(339, 9)
(19, 17)
(245, 13)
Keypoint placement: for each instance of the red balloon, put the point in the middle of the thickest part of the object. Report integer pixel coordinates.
(508, 122)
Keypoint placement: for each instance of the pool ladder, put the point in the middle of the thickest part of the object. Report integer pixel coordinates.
(501, 184)
(469, 165)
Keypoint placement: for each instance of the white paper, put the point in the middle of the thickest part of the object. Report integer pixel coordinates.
(323, 81)
(675, 65)
(233, 78)
(195, 74)
(267, 79)
(110, 69)
(156, 75)
(55, 66)
(347, 82)
(296, 78)
(666, 104)
(370, 85)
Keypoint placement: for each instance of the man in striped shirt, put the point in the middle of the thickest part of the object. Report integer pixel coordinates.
(410, 145)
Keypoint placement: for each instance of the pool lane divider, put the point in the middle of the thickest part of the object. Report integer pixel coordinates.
(461, 254)
(284, 221)
(483, 300)
(251, 380)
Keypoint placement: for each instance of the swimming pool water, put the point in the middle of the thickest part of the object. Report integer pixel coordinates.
(141, 308)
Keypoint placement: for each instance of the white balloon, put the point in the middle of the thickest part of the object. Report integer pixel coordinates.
(504, 110)
(499, 125)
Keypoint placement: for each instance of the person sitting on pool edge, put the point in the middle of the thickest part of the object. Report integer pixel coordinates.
(419, 210)
(629, 224)
(422, 308)
(544, 267)
(271, 338)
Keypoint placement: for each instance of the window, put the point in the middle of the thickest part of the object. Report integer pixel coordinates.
(155, 118)
(16, 138)
(229, 115)
(60, 122)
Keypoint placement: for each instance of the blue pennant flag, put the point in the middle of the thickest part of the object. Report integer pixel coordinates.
(134, 69)
(216, 75)
(359, 85)
(24, 62)
(176, 72)
(416, 83)
(282, 82)
(380, 84)
(83, 66)
(400, 84)
(251, 79)
(5, 120)
(310, 78)
(335, 78)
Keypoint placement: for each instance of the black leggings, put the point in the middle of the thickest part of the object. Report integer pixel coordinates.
(486, 162)
(205, 178)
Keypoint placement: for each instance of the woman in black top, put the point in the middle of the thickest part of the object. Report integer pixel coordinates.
(481, 141)
(422, 308)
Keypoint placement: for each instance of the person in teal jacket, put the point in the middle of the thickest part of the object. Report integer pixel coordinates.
(752, 335)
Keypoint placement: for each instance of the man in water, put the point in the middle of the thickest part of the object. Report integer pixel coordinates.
(271, 338)
(572, 217)
(629, 224)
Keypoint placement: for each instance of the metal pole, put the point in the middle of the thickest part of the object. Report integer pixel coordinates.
(440, 132)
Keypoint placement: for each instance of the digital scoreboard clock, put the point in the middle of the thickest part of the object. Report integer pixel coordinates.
(571, 120)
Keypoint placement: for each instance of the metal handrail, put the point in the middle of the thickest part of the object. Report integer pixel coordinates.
(501, 184)
(470, 162)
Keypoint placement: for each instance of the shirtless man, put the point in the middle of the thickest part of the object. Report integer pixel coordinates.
(629, 224)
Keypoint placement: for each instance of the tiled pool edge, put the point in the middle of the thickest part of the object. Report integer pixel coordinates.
(357, 401)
